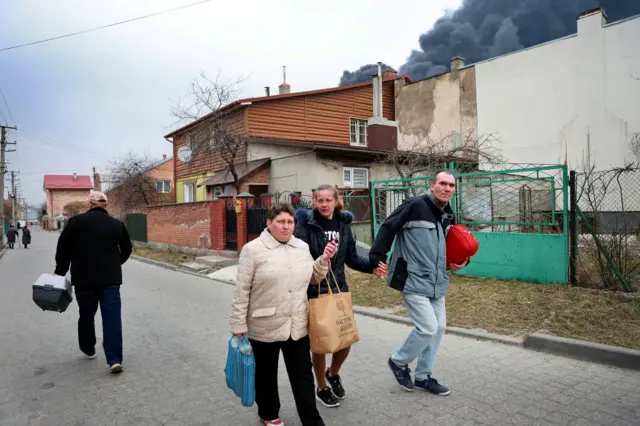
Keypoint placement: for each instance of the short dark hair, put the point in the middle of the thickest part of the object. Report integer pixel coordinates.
(434, 180)
(278, 208)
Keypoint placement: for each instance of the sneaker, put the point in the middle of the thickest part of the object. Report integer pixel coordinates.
(402, 375)
(276, 422)
(116, 368)
(431, 385)
(336, 385)
(90, 356)
(327, 398)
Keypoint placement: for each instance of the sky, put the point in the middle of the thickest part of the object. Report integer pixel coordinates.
(83, 101)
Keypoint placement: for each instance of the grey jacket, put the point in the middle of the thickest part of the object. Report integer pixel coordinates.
(418, 264)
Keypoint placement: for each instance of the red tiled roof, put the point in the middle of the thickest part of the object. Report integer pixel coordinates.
(239, 102)
(67, 182)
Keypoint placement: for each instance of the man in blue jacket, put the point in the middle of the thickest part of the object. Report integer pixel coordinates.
(418, 269)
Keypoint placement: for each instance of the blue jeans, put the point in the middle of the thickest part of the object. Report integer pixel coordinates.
(430, 318)
(108, 298)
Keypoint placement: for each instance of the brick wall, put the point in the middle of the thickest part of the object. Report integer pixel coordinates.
(117, 196)
(259, 176)
(185, 224)
(62, 197)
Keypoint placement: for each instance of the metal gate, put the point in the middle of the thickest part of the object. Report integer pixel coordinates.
(257, 216)
(516, 212)
(231, 225)
(137, 226)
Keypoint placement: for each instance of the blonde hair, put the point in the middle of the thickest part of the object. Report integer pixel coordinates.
(334, 191)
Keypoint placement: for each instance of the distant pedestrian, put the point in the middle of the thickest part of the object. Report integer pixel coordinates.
(418, 228)
(26, 235)
(12, 235)
(96, 245)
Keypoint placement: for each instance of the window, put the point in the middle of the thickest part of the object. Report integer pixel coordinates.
(192, 141)
(358, 132)
(189, 193)
(219, 190)
(355, 177)
(163, 186)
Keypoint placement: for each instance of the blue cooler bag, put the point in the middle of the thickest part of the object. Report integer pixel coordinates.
(240, 370)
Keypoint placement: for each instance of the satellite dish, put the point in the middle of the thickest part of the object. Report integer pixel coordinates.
(185, 154)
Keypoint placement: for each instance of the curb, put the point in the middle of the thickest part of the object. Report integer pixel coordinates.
(176, 268)
(167, 266)
(473, 334)
(2, 252)
(569, 348)
(586, 351)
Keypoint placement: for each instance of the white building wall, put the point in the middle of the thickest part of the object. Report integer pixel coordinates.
(561, 98)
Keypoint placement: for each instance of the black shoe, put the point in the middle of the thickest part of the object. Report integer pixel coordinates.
(336, 385)
(327, 398)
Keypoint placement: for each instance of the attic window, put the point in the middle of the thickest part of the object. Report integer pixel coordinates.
(358, 132)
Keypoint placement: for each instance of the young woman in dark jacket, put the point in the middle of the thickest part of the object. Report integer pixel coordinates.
(317, 227)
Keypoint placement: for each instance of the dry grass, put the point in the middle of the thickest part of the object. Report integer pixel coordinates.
(172, 257)
(516, 308)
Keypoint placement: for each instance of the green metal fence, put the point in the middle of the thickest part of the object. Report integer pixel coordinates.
(517, 213)
(358, 202)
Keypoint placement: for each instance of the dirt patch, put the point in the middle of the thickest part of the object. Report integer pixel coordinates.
(515, 308)
(172, 257)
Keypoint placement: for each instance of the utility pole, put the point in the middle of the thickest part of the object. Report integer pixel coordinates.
(3, 149)
(13, 197)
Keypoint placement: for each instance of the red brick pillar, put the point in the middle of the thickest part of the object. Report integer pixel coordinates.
(217, 221)
(242, 222)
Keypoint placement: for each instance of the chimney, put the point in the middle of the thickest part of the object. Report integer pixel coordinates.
(377, 92)
(97, 182)
(75, 176)
(390, 73)
(267, 91)
(164, 156)
(284, 87)
(374, 80)
(457, 62)
(593, 19)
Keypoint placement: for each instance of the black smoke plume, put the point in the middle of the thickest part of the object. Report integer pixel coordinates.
(482, 29)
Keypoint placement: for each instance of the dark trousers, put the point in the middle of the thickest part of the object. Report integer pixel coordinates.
(297, 359)
(108, 298)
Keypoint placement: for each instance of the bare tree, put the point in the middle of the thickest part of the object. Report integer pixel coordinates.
(129, 182)
(424, 156)
(608, 255)
(75, 207)
(214, 136)
(42, 210)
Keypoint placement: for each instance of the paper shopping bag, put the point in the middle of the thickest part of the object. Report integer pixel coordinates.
(332, 326)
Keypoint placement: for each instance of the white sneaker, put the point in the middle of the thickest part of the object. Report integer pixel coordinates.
(90, 356)
(116, 368)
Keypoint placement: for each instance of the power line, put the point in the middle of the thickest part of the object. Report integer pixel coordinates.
(8, 109)
(105, 26)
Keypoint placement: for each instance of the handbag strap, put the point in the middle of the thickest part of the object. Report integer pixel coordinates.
(331, 274)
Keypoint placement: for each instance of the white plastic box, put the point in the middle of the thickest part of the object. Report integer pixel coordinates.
(52, 293)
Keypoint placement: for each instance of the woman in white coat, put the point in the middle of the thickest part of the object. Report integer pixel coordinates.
(270, 306)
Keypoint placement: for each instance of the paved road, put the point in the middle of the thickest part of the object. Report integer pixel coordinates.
(175, 342)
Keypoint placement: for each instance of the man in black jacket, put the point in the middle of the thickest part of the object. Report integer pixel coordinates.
(96, 245)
